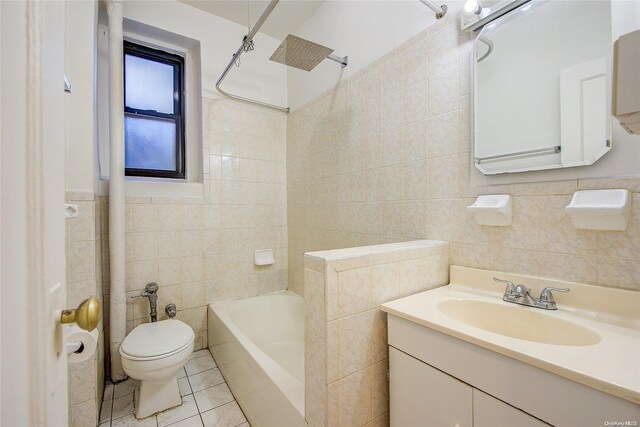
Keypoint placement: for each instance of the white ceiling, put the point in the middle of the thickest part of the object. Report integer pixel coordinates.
(285, 19)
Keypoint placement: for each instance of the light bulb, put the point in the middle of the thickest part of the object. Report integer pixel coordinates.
(472, 6)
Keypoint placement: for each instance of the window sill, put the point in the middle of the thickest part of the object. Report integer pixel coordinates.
(156, 187)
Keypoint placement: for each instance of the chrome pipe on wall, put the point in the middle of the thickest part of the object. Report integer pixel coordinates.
(247, 44)
(490, 47)
(439, 10)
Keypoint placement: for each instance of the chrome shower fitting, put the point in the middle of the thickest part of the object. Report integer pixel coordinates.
(171, 310)
(439, 10)
(303, 54)
(247, 44)
(151, 292)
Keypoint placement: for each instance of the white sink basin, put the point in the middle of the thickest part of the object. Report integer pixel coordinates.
(523, 323)
(593, 338)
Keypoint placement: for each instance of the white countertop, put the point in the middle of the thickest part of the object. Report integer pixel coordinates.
(611, 365)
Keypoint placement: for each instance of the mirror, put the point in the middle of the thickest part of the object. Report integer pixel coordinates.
(477, 13)
(542, 87)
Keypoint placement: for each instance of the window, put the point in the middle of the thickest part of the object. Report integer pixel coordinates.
(153, 112)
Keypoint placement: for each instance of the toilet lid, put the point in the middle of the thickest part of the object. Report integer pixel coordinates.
(156, 339)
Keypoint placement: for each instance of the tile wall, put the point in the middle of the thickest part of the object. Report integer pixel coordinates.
(384, 157)
(84, 279)
(201, 250)
(346, 353)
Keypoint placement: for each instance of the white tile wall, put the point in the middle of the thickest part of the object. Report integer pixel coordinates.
(384, 157)
(201, 250)
(84, 279)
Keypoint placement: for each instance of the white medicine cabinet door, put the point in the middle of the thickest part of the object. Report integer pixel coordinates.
(424, 396)
(491, 412)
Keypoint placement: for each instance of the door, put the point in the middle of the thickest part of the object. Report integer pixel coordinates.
(33, 289)
(422, 396)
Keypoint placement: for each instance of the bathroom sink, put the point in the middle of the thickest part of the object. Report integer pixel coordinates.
(575, 341)
(518, 322)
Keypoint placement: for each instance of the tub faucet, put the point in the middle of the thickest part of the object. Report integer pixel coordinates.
(151, 292)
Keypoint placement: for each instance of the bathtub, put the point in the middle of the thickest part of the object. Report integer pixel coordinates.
(258, 344)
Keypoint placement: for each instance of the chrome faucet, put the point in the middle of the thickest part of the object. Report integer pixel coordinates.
(520, 294)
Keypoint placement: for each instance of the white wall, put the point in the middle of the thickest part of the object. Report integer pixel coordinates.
(257, 77)
(625, 16)
(362, 30)
(80, 48)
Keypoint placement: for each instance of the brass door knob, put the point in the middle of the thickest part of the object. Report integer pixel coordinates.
(86, 316)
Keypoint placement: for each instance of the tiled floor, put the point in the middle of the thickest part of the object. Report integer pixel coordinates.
(207, 401)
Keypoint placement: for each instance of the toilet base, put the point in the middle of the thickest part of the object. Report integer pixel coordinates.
(152, 397)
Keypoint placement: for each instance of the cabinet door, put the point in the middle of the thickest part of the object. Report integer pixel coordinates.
(424, 396)
(491, 412)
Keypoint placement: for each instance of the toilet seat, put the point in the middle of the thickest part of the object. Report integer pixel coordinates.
(158, 340)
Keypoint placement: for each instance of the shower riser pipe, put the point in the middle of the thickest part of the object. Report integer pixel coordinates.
(117, 302)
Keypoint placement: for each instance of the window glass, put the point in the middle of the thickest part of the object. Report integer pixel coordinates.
(154, 112)
(150, 143)
(149, 85)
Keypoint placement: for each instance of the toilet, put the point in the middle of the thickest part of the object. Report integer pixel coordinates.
(154, 353)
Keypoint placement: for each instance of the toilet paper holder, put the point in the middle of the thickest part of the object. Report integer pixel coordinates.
(86, 316)
(80, 344)
(75, 347)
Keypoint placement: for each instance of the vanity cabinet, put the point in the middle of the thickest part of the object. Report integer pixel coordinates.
(421, 395)
(439, 380)
(491, 412)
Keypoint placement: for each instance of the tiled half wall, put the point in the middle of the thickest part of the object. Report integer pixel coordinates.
(346, 354)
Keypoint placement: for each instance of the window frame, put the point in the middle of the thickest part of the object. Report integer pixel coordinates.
(178, 64)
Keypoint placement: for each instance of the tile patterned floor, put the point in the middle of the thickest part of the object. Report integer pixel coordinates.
(207, 401)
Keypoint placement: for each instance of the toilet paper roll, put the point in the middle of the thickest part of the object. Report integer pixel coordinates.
(89, 340)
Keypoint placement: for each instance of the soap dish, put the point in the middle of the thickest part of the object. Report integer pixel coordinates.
(492, 210)
(264, 257)
(600, 209)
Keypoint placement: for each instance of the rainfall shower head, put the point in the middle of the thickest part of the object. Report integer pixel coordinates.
(303, 54)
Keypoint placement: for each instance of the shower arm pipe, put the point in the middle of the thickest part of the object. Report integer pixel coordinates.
(439, 10)
(489, 44)
(342, 60)
(248, 39)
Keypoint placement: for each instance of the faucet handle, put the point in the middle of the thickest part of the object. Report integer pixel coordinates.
(522, 290)
(510, 286)
(547, 297)
(142, 295)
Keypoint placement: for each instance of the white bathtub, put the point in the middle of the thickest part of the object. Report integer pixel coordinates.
(258, 344)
